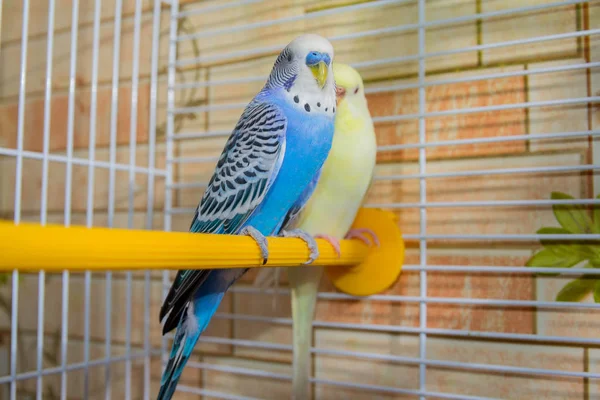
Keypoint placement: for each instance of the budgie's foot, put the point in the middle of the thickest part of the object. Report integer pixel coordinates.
(310, 241)
(359, 233)
(260, 240)
(334, 242)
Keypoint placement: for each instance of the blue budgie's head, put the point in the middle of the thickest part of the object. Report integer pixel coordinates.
(304, 70)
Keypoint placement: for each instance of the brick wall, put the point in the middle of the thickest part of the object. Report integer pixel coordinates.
(250, 53)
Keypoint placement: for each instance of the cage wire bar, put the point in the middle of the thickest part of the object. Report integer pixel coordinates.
(111, 186)
(68, 193)
(18, 191)
(422, 199)
(151, 172)
(173, 25)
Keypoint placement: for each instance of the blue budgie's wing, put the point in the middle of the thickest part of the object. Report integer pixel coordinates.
(245, 171)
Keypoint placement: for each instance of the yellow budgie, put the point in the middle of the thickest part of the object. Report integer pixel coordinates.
(330, 211)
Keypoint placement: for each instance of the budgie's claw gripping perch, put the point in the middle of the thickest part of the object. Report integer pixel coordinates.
(360, 234)
(334, 242)
(260, 240)
(310, 241)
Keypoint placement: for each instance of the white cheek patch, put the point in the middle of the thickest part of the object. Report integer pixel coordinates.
(308, 97)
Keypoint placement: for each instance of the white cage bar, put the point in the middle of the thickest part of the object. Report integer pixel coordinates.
(166, 61)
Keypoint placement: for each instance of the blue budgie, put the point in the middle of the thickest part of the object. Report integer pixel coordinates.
(267, 171)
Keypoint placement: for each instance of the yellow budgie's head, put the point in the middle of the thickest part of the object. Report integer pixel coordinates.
(350, 90)
(349, 84)
(350, 93)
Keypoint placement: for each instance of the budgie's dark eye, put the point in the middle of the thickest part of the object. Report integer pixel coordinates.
(356, 90)
(289, 58)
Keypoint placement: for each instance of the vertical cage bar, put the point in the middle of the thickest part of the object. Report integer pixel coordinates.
(114, 110)
(169, 149)
(152, 122)
(107, 335)
(128, 288)
(134, 109)
(422, 197)
(21, 113)
(47, 114)
(44, 199)
(151, 177)
(147, 292)
(14, 320)
(132, 185)
(86, 330)
(0, 56)
(64, 330)
(90, 191)
(111, 186)
(13, 335)
(64, 334)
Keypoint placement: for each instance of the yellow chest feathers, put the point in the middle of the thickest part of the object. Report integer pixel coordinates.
(351, 160)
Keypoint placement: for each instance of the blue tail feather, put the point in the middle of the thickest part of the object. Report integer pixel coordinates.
(186, 336)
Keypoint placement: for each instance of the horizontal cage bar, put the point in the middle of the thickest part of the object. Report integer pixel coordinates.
(436, 300)
(81, 161)
(263, 24)
(407, 86)
(356, 35)
(410, 330)
(77, 366)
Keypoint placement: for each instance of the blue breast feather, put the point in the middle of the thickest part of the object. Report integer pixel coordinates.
(308, 141)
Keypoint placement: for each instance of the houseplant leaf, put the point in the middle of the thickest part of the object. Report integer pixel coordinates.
(575, 219)
(593, 263)
(565, 247)
(597, 216)
(577, 289)
(546, 258)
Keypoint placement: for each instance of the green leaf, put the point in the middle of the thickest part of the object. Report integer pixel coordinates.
(559, 247)
(572, 218)
(597, 216)
(552, 230)
(546, 258)
(577, 289)
(595, 250)
(597, 292)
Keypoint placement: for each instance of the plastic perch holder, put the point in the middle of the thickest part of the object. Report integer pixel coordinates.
(360, 270)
